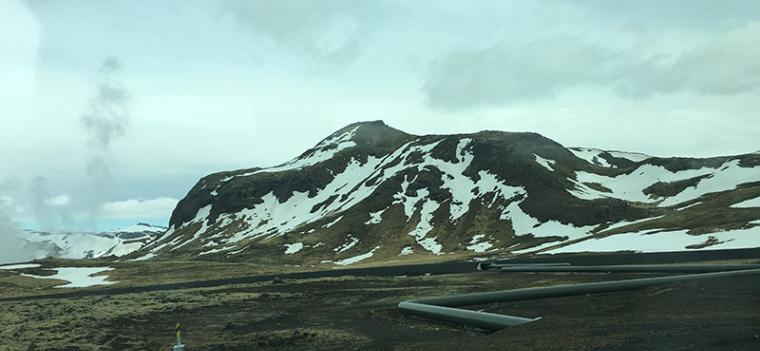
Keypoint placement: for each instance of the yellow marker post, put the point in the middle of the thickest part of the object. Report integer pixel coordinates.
(179, 346)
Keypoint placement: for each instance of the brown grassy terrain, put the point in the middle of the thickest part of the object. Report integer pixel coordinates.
(359, 313)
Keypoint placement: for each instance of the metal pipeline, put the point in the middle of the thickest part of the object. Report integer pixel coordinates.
(483, 320)
(695, 268)
(489, 265)
(441, 308)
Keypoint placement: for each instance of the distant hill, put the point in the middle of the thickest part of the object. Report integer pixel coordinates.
(78, 245)
(370, 192)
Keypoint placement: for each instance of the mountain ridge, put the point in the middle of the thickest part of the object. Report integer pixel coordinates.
(368, 190)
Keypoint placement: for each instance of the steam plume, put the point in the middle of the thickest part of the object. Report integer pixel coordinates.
(106, 119)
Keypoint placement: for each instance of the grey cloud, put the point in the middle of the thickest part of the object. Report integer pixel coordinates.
(502, 74)
(332, 31)
(657, 14)
(725, 64)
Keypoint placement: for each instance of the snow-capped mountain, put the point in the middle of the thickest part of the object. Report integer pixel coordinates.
(371, 192)
(78, 245)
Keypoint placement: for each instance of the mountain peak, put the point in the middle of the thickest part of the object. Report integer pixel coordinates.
(372, 136)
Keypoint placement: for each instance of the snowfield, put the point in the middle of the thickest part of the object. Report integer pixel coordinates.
(677, 240)
(118, 243)
(630, 186)
(78, 277)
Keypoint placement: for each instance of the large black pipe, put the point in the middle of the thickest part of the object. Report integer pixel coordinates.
(440, 308)
(680, 268)
(569, 290)
(483, 320)
(491, 265)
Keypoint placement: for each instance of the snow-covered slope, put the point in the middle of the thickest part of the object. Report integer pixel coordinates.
(73, 245)
(370, 192)
(607, 158)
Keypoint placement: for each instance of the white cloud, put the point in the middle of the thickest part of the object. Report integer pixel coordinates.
(59, 200)
(138, 209)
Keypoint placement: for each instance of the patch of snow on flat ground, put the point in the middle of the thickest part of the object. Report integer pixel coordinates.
(546, 163)
(665, 241)
(407, 250)
(748, 203)
(477, 245)
(293, 248)
(352, 260)
(20, 266)
(78, 277)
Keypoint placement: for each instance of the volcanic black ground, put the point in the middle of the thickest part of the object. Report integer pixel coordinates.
(356, 310)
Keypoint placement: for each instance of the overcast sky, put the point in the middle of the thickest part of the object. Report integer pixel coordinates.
(112, 110)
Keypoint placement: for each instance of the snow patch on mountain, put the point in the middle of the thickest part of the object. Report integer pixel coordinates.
(631, 156)
(748, 203)
(630, 186)
(200, 217)
(324, 151)
(627, 223)
(216, 250)
(591, 156)
(424, 226)
(524, 224)
(272, 217)
(358, 258)
(477, 244)
(546, 163)
(664, 241)
(293, 248)
(406, 250)
(375, 217)
(350, 242)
